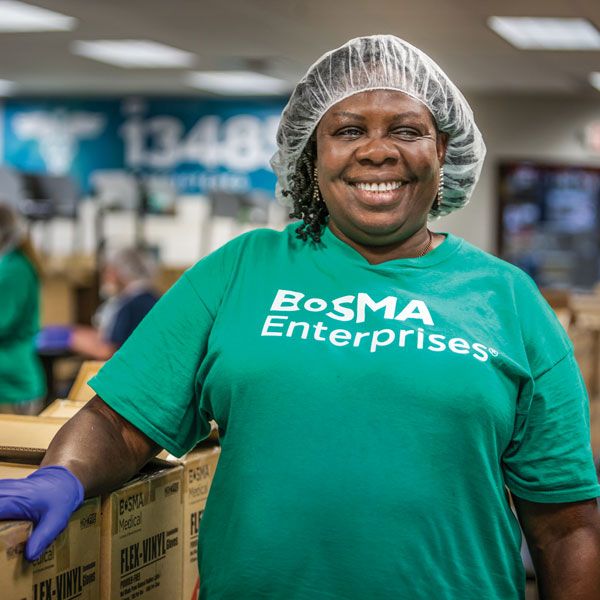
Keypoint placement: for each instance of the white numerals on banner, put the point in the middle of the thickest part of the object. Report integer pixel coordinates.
(202, 143)
(165, 135)
(134, 136)
(240, 143)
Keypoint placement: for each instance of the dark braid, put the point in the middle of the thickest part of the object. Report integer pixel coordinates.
(313, 213)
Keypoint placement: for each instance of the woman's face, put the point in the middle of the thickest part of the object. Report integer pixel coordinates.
(378, 158)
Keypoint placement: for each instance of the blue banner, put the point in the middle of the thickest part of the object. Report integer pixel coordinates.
(193, 145)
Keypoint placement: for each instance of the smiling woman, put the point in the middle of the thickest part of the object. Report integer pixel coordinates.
(366, 65)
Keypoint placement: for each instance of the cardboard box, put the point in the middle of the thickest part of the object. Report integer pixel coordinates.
(16, 574)
(62, 409)
(68, 569)
(81, 391)
(22, 431)
(62, 283)
(141, 544)
(167, 276)
(198, 470)
(57, 301)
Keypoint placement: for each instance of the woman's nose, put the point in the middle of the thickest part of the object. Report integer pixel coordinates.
(377, 150)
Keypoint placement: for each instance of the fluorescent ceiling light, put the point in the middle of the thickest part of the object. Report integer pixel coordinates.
(527, 33)
(7, 87)
(19, 16)
(144, 54)
(595, 79)
(239, 83)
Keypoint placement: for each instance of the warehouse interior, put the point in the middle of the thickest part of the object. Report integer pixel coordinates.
(99, 156)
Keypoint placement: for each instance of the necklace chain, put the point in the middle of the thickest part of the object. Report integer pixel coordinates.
(428, 247)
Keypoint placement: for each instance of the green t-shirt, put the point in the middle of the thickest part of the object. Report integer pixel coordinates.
(370, 416)
(21, 375)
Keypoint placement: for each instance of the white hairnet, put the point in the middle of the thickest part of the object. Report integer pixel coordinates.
(383, 62)
(133, 264)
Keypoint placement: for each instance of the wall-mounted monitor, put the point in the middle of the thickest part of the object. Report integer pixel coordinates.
(549, 222)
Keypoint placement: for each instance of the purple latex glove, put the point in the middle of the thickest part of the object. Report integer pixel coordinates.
(47, 497)
(54, 337)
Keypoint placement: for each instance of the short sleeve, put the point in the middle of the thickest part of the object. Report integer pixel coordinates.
(550, 458)
(151, 380)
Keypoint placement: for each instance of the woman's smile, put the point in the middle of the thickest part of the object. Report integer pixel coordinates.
(375, 200)
(387, 186)
(378, 194)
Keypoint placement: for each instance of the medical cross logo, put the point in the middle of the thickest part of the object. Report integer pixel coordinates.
(286, 322)
(57, 134)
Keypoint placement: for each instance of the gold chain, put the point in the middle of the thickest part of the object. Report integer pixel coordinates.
(428, 248)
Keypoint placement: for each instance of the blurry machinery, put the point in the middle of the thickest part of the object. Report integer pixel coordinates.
(42, 198)
(236, 212)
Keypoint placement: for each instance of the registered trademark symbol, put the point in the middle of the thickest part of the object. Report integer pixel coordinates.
(493, 352)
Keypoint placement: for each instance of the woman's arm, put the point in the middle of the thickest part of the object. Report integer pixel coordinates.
(564, 542)
(100, 447)
(94, 452)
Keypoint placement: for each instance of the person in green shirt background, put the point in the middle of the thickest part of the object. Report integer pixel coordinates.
(381, 390)
(22, 381)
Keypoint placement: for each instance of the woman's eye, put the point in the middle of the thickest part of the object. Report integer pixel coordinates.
(350, 131)
(406, 132)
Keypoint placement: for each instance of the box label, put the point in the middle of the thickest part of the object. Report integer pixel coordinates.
(65, 586)
(142, 554)
(135, 580)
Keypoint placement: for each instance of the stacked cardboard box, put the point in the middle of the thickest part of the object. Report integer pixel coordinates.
(16, 574)
(67, 289)
(62, 409)
(142, 541)
(21, 431)
(198, 470)
(149, 527)
(140, 550)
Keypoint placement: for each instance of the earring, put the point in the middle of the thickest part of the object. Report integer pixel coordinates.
(316, 192)
(440, 194)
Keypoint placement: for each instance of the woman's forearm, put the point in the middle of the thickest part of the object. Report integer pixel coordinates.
(569, 567)
(101, 448)
(564, 542)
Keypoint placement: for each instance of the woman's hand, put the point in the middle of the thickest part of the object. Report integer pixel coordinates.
(564, 542)
(47, 498)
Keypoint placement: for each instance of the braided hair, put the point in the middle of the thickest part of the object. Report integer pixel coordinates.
(304, 191)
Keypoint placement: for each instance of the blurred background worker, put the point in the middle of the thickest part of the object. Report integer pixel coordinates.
(22, 381)
(127, 286)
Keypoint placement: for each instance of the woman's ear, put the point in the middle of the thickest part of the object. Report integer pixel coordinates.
(442, 143)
